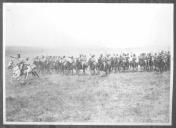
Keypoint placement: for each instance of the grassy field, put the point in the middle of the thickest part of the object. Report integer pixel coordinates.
(122, 97)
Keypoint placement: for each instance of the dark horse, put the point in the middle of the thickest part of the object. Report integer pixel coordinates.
(104, 65)
(80, 65)
(92, 66)
(68, 67)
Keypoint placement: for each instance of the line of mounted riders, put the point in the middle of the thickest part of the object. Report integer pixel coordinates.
(124, 62)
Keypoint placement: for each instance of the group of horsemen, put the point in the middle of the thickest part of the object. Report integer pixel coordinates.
(108, 63)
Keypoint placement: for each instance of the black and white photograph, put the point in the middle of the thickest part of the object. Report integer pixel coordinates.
(88, 63)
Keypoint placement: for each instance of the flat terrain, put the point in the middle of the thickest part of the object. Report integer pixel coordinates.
(121, 97)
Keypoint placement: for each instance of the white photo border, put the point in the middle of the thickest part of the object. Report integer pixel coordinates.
(5, 122)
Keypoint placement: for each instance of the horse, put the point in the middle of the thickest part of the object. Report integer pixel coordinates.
(81, 65)
(68, 66)
(107, 66)
(116, 64)
(133, 64)
(26, 70)
(92, 66)
(10, 64)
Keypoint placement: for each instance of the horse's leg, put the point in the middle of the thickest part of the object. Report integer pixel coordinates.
(36, 74)
(71, 71)
(134, 66)
(98, 72)
(26, 75)
(33, 73)
(84, 71)
(106, 71)
(116, 69)
(77, 70)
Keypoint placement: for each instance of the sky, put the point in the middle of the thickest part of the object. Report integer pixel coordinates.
(81, 25)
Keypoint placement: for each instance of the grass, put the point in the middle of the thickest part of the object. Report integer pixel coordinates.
(121, 97)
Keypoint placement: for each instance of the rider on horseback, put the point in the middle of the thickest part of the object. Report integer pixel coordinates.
(28, 62)
(93, 59)
(19, 62)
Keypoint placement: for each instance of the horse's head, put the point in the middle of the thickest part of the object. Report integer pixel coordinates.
(10, 65)
(16, 72)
